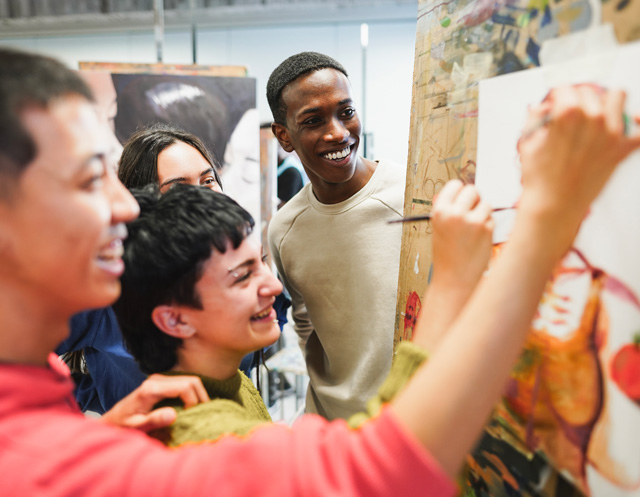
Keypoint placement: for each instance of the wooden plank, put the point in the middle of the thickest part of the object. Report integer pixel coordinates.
(179, 69)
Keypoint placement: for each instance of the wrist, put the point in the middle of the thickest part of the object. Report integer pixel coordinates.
(546, 228)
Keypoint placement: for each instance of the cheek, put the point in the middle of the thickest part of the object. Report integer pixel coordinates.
(355, 128)
(88, 224)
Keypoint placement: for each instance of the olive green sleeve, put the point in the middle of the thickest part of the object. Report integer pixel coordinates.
(407, 360)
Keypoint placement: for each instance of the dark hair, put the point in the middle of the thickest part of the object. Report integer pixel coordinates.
(172, 100)
(139, 161)
(291, 69)
(28, 80)
(167, 247)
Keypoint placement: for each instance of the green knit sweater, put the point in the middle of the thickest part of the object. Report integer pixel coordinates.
(236, 406)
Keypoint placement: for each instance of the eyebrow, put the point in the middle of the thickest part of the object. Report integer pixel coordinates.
(311, 110)
(182, 178)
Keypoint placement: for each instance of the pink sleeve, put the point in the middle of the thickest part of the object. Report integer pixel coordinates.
(314, 458)
(60, 454)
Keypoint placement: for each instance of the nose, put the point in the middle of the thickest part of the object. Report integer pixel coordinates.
(271, 286)
(336, 131)
(124, 207)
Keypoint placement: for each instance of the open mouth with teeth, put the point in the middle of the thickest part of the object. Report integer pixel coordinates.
(338, 156)
(262, 315)
(110, 257)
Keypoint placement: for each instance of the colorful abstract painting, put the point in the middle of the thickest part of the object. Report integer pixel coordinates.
(573, 399)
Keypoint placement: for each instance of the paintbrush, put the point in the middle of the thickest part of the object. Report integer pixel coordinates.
(426, 217)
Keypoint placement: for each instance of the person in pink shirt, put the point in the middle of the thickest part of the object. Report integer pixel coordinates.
(62, 221)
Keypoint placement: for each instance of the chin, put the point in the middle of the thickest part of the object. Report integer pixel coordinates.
(104, 296)
(269, 338)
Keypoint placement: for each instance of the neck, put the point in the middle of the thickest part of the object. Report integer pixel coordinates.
(28, 333)
(334, 193)
(216, 364)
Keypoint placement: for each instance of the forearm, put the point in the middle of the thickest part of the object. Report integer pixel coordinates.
(467, 374)
(443, 302)
(462, 228)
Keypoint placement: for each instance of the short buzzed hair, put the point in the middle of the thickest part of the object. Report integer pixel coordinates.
(290, 70)
(164, 257)
(28, 80)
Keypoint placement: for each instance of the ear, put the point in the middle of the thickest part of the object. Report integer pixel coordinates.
(282, 134)
(169, 319)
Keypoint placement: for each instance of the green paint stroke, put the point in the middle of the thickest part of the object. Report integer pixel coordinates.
(537, 4)
(445, 22)
(523, 20)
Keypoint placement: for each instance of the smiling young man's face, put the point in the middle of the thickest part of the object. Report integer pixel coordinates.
(64, 223)
(323, 127)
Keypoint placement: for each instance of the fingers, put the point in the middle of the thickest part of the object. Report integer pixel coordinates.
(633, 132)
(576, 152)
(457, 199)
(448, 193)
(614, 110)
(136, 409)
(188, 388)
(462, 228)
(481, 213)
(194, 395)
(538, 117)
(160, 418)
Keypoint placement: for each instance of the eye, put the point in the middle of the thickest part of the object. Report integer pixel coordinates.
(264, 258)
(209, 181)
(349, 112)
(94, 175)
(93, 182)
(312, 121)
(243, 277)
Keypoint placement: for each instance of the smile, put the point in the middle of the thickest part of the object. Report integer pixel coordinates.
(262, 315)
(110, 257)
(338, 155)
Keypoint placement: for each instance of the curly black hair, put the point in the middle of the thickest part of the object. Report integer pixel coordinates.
(164, 255)
(290, 70)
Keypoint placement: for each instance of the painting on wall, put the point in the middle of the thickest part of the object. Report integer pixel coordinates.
(573, 398)
(220, 110)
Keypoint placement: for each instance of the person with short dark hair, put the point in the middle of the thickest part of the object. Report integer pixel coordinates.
(331, 244)
(182, 310)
